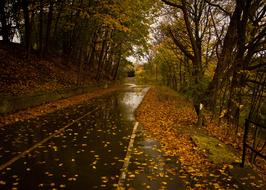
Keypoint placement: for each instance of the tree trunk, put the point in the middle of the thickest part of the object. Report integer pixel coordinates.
(27, 31)
(117, 66)
(225, 58)
(41, 29)
(48, 29)
(58, 16)
(81, 63)
(195, 43)
(5, 31)
(101, 56)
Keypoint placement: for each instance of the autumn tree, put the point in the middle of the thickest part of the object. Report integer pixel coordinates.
(188, 33)
(241, 55)
(93, 35)
(225, 44)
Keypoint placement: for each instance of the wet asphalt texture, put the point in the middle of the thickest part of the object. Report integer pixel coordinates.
(88, 154)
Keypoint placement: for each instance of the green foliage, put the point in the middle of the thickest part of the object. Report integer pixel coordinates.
(196, 92)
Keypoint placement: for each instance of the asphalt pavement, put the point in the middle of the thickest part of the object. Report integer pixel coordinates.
(80, 147)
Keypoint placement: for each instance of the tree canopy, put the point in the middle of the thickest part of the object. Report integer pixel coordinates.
(97, 34)
(214, 52)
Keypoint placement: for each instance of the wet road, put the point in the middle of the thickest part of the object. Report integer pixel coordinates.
(81, 147)
(151, 168)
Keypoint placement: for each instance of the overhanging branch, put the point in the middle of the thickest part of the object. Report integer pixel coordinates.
(172, 4)
(218, 6)
(180, 45)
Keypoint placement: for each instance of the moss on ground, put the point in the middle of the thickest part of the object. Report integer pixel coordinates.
(217, 151)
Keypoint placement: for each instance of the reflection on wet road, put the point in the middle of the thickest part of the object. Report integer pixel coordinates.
(88, 154)
(150, 168)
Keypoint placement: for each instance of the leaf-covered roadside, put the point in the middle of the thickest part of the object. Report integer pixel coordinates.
(167, 117)
(160, 113)
(52, 106)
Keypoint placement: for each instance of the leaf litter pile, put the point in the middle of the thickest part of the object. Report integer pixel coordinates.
(170, 119)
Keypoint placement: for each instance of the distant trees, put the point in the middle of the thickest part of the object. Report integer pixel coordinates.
(98, 34)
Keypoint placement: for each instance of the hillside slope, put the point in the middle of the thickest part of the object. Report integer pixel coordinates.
(22, 75)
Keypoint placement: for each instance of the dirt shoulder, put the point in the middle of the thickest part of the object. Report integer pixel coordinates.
(170, 119)
(53, 106)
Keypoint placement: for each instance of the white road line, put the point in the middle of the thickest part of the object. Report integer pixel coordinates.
(56, 132)
(122, 178)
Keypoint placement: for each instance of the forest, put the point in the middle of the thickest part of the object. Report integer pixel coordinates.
(96, 36)
(212, 52)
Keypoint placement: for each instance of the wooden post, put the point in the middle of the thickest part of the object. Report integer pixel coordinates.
(254, 145)
(200, 115)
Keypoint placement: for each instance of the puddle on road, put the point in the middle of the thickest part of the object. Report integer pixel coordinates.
(89, 154)
(131, 101)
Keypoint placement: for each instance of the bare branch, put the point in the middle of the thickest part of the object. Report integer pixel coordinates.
(218, 6)
(172, 4)
(205, 26)
(256, 82)
(257, 40)
(180, 45)
(256, 67)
